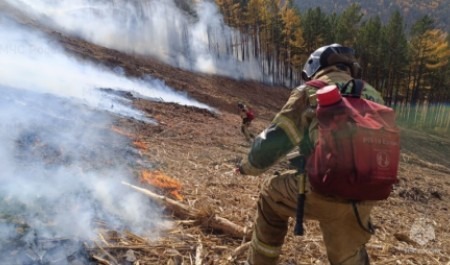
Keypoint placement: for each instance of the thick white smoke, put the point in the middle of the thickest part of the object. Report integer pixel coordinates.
(30, 61)
(194, 39)
(61, 167)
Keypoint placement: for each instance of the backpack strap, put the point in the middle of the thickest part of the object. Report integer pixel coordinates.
(357, 85)
(317, 83)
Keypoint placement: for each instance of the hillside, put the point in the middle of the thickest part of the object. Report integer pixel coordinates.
(410, 10)
(199, 149)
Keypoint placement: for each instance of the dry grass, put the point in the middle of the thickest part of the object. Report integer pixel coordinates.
(200, 151)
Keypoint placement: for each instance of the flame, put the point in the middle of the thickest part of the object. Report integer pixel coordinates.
(137, 143)
(160, 180)
(140, 145)
(122, 132)
(155, 178)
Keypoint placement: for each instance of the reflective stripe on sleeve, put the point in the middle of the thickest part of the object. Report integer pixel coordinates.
(289, 128)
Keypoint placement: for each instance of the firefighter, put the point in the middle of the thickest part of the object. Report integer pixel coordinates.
(295, 124)
(247, 116)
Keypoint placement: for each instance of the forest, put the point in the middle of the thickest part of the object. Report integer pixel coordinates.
(408, 64)
(411, 10)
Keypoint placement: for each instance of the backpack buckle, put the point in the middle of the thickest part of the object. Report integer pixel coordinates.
(312, 98)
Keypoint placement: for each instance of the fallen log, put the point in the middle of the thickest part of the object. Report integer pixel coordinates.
(183, 211)
(225, 225)
(180, 210)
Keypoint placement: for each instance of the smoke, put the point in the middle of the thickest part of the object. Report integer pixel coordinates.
(61, 165)
(195, 38)
(61, 172)
(48, 69)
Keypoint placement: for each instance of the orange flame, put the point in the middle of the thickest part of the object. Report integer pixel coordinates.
(162, 181)
(140, 145)
(121, 132)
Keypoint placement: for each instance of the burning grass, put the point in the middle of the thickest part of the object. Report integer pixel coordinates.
(164, 183)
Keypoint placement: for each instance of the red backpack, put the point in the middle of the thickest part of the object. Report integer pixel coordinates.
(358, 149)
(250, 114)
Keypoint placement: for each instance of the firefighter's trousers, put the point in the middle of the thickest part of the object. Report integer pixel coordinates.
(245, 130)
(343, 236)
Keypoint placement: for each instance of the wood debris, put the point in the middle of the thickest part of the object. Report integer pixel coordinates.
(184, 211)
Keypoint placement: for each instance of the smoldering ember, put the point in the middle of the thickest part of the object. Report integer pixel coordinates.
(120, 136)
